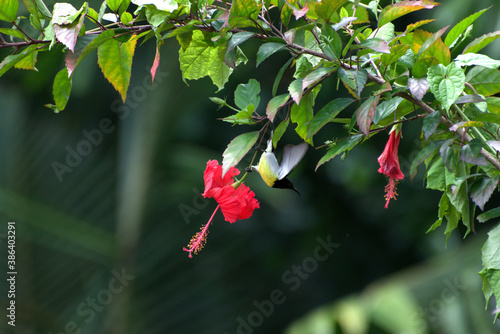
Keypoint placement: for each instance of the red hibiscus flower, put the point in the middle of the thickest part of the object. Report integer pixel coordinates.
(389, 165)
(235, 200)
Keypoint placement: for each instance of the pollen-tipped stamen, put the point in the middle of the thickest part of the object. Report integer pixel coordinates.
(199, 240)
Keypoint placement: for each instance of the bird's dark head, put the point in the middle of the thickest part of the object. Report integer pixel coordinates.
(285, 184)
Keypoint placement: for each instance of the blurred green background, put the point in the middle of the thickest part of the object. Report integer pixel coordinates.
(99, 248)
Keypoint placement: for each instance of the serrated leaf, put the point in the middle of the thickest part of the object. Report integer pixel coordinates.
(61, 89)
(480, 42)
(486, 81)
(469, 156)
(64, 13)
(425, 153)
(274, 104)
(481, 192)
(243, 13)
(353, 80)
(11, 60)
(247, 94)
(268, 49)
(392, 12)
(201, 59)
(430, 41)
(427, 45)
(67, 34)
(491, 249)
(365, 113)
(280, 130)
(237, 149)
(446, 83)
(115, 60)
(28, 62)
(327, 114)
(470, 59)
(460, 27)
(491, 214)
(418, 87)
(342, 146)
(84, 46)
(8, 10)
(326, 8)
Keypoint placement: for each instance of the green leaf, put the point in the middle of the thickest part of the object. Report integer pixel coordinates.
(61, 89)
(280, 130)
(126, 18)
(274, 104)
(237, 149)
(14, 33)
(247, 95)
(491, 214)
(115, 60)
(326, 8)
(480, 42)
(386, 108)
(65, 13)
(468, 155)
(114, 4)
(238, 39)
(431, 123)
(11, 60)
(436, 175)
(470, 59)
(280, 75)
(315, 76)
(376, 44)
(201, 59)
(302, 114)
(295, 90)
(163, 5)
(85, 45)
(446, 83)
(8, 10)
(365, 113)
(267, 49)
(481, 192)
(488, 117)
(486, 81)
(425, 153)
(396, 52)
(342, 146)
(448, 154)
(353, 80)
(243, 13)
(491, 262)
(327, 114)
(430, 41)
(392, 12)
(460, 27)
(28, 62)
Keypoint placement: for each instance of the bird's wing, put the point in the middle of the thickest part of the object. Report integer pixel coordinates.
(292, 154)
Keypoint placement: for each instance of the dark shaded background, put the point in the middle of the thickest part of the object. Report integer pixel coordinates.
(119, 213)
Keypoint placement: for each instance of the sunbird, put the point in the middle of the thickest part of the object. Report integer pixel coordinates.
(274, 174)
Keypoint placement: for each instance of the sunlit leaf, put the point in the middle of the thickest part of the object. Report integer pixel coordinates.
(401, 8)
(243, 13)
(11, 60)
(115, 61)
(446, 83)
(396, 52)
(460, 27)
(84, 46)
(376, 44)
(479, 43)
(202, 59)
(28, 62)
(114, 4)
(8, 10)
(418, 87)
(485, 81)
(237, 149)
(302, 114)
(326, 8)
